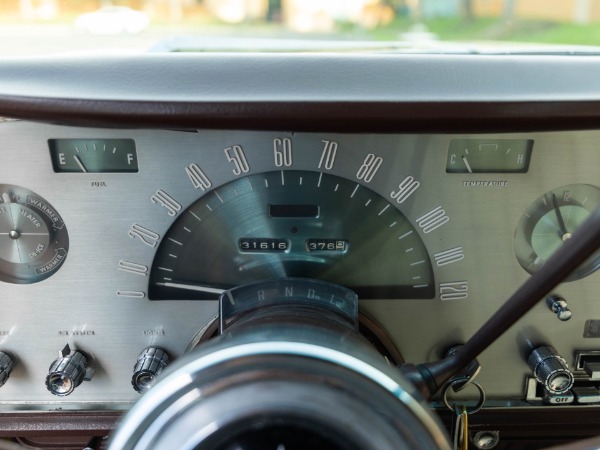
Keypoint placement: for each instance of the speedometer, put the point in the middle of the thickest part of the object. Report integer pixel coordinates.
(353, 210)
(292, 224)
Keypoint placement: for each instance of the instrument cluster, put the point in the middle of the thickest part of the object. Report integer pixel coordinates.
(115, 245)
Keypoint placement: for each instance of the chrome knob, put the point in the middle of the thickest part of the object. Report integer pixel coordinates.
(6, 367)
(550, 369)
(149, 365)
(558, 306)
(67, 372)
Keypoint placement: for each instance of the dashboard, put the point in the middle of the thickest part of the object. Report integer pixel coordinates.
(432, 190)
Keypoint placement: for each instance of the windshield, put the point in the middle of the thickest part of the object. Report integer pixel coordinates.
(33, 27)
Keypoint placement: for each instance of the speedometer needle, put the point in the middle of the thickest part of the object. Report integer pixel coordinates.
(564, 234)
(192, 287)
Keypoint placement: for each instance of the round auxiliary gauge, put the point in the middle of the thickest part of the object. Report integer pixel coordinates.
(553, 219)
(33, 237)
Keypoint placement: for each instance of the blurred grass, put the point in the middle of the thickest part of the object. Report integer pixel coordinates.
(567, 33)
(486, 29)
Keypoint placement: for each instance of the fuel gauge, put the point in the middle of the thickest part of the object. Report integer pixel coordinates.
(551, 220)
(93, 155)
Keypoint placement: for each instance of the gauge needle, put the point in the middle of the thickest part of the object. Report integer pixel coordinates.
(79, 163)
(464, 158)
(564, 234)
(192, 287)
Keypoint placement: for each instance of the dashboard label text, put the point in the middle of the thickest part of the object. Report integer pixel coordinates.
(486, 183)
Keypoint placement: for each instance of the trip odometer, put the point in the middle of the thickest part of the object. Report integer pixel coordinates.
(292, 224)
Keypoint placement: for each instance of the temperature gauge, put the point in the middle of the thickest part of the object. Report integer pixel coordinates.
(93, 155)
(489, 155)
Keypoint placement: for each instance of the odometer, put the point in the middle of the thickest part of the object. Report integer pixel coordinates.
(249, 245)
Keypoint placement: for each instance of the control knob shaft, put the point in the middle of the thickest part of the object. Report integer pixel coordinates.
(67, 372)
(6, 366)
(150, 363)
(550, 369)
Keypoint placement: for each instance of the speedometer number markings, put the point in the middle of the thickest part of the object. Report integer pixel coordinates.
(282, 222)
(432, 220)
(282, 152)
(405, 189)
(236, 156)
(148, 237)
(369, 167)
(455, 290)
(328, 155)
(135, 268)
(131, 294)
(449, 256)
(165, 200)
(198, 177)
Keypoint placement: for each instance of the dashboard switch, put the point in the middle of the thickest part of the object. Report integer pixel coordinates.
(67, 372)
(558, 399)
(550, 369)
(6, 366)
(558, 306)
(587, 394)
(592, 369)
(149, 365)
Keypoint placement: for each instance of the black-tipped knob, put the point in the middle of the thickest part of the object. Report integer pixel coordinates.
(66, 372)
(149, 365)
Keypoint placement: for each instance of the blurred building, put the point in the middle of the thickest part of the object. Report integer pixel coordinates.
(321, 15)
(236, 11)
(579, 11)
(38, 9)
